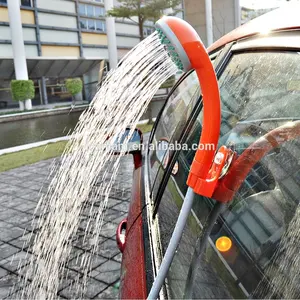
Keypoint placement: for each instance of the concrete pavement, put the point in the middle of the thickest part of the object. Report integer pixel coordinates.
(20, 190)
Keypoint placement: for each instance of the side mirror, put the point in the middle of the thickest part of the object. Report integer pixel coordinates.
(132, 146)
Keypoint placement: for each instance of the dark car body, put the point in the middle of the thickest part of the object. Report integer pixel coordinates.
(259, 80)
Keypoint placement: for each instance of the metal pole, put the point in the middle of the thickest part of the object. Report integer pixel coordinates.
(44, 90)
(17, 41)
(111, 36)
(209, 22)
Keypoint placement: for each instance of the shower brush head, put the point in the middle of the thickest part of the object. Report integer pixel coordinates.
(180, 40)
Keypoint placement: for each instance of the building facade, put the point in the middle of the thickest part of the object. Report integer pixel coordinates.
(222, 17)
(63, 38)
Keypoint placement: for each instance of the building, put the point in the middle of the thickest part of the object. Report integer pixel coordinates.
(248, 14)
(63, 38)
(212, 18)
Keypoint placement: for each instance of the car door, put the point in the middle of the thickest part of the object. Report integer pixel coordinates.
(260, 95)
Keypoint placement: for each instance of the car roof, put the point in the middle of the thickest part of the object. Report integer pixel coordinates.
(284, 18)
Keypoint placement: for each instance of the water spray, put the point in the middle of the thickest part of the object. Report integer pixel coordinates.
(188, 52)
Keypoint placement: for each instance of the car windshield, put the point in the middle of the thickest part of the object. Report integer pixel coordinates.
(260, 93)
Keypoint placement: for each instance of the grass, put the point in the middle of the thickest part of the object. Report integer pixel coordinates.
(25, 157)
(145, 127)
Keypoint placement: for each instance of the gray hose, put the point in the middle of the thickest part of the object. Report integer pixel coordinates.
(175, 239)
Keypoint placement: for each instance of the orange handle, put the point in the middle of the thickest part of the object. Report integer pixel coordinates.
(211, 123)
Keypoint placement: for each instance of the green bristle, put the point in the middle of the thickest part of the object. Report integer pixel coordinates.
(170, 48)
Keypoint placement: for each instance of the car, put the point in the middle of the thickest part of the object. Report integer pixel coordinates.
(258, 72)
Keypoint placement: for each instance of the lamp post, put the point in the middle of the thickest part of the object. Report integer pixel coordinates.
(17, 41)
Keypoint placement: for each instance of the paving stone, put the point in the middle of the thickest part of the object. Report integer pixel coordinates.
(123, 206)
(108, 272)
(20, 218)
(112, 292)
(24, 242)
(7, 284)
(4, 224)
(93, 287)
(7, 250)
(8, 234)
(3, 272)
(18, 200)
(108, 249)
(16, 261)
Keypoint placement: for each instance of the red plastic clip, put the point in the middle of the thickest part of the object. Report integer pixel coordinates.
(207, 186)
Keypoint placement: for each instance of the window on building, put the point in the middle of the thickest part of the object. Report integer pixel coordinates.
(99, 11)
(100, 26)
(91, 10)
(91, 25)
(26, 3)
(81, 9)
(148, 31)
(95, 25)
(83, 24)
(22, 2)
(100, 1)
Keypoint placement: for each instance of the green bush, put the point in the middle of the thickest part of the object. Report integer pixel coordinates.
(74, 86)
(22, 90)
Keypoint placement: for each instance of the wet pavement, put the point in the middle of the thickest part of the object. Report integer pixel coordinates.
(20, 190)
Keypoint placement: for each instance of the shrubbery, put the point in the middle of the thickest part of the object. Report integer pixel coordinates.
(74, 86)
(22, 90)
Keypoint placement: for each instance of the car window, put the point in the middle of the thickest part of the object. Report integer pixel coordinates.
(260, 93)
(173, 119)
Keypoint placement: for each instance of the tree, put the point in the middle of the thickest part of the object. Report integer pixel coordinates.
(74, 86)
(143, 9)
(22, 90)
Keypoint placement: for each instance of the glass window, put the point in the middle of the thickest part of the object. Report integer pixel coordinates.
(83, 24)
(3, 1)
(99, 11)
(91, 24)
(82, 10)
(26, 3)
(174, 117)
(90, 11)
(260, 98)
(100, 26)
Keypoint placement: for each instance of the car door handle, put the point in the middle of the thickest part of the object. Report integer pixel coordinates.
(121, 235)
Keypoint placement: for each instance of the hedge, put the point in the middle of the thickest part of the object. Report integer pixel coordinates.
(22, 90)
(74, 86)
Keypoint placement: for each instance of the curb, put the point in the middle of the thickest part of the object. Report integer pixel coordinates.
(42, 113)
(33, 145)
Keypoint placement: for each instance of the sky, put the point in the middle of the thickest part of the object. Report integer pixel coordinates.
(258, 4)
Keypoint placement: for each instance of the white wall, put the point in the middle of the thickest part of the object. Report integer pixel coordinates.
(58, 5)
(127, 41)
(95, 52)
(58, 36)
(57, 20)
(31, 50)
(127, 29)
(6, 50)
(28, 33)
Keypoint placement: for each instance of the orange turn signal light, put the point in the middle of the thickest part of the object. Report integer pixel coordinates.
(223, 243)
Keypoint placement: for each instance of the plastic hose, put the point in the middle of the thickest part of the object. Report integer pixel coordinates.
(175, 239)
